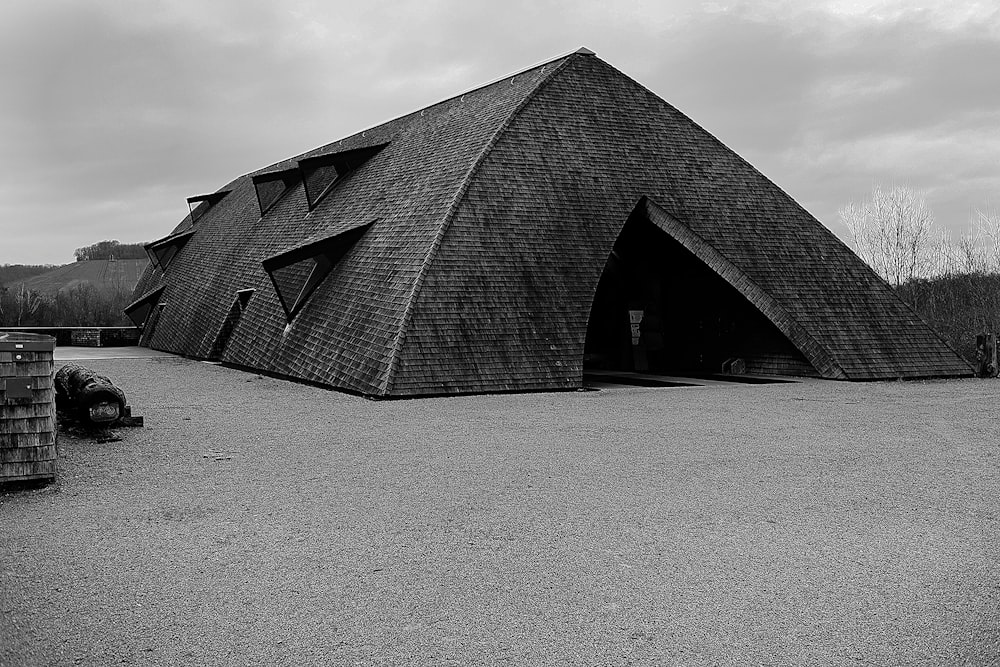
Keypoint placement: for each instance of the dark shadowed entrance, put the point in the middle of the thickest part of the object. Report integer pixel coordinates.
(660, 309)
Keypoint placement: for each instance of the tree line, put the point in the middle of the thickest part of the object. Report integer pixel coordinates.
(11, 273)
(78, 306)
(81, 305)
(953, 284)
(110, 250)
(894, 232)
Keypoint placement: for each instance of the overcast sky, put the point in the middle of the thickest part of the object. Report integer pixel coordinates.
(113, 113)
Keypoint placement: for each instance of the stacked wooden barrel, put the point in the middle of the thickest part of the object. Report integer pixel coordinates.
(27, 408)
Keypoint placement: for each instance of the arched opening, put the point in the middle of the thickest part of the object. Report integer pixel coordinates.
(661, 309)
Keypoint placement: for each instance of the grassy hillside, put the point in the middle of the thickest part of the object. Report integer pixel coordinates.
(114, 275)
(15, 273)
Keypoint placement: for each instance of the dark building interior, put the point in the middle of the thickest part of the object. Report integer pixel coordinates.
(659, 309)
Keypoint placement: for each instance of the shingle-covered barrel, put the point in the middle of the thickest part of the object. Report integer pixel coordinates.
(27, 408)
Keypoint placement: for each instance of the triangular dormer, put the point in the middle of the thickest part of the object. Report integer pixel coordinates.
(162, 252)
(297, 272)
(271, 186)
(199, 204)
(321, 172)
(138, 311)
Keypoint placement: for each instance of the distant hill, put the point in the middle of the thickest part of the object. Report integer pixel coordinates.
(103, 274)
(16, 273)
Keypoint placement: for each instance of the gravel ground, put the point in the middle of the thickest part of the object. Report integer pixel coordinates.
(260, 522)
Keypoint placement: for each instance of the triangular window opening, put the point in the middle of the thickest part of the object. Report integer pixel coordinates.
(298, 272)
(140, 314)
(271, 187)
(199, 204)
(243, 296)
(295, 282)
(154, 319)
(322, 172)
(162, 252)
(138, 311)
(229, 324)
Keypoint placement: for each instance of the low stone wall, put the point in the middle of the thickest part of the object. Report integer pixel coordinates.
(85, 336)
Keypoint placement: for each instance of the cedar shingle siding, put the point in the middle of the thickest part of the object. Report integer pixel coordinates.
(490, 218)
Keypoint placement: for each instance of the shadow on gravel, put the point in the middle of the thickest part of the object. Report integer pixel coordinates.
(647, 380)
(595, 380)
(744, 379)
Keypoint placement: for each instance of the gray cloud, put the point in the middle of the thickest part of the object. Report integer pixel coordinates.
(825, 104)
(115, 112)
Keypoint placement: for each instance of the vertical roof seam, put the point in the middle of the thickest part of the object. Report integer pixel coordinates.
(398, 341)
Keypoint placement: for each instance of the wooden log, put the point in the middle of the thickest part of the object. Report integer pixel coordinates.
(91, 398)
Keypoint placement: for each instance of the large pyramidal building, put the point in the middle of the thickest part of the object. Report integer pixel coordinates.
(506, 239)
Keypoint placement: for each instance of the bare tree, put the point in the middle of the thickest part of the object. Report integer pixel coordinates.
(27, 303)
(968, 254)
(979, 250)
(894, 232)
(986, 227)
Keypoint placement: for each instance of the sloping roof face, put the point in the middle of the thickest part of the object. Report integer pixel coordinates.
(346, 334)
(493, 216)
(508, 295)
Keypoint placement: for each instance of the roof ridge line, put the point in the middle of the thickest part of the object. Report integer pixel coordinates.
(582, 51)
(397, 344)
(298, 156)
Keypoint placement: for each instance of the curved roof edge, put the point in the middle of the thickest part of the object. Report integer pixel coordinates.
(398, 342)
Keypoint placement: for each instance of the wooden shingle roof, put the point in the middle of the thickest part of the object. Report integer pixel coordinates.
(491, 216)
